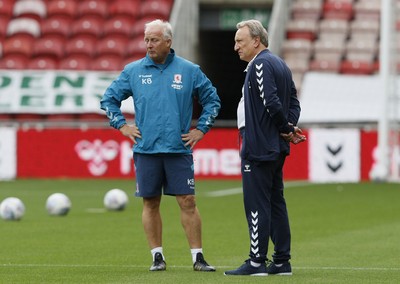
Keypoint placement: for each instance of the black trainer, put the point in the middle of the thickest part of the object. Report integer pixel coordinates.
(158, 263)
(201, 264)
(247, 269)
(280, 269)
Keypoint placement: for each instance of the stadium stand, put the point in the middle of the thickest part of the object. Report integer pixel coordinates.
(43, 62)
(93, 35)
(75, 62)
(69, 31)
(337, 36)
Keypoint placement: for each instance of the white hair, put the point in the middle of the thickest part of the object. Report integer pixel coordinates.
(166, 26)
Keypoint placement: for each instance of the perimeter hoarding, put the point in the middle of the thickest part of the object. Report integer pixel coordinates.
(105, 153)
(329, 155)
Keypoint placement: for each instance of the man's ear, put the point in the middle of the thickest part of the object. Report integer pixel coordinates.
(257, 41)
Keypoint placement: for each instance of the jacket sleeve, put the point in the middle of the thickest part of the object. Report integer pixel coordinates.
(118, 91)
(208, 99)
(294, 108)
(268, 91)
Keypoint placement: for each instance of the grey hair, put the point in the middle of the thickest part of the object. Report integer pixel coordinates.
(166, 26)
(256, 30)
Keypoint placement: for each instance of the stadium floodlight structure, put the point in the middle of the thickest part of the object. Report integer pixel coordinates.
(387, 158)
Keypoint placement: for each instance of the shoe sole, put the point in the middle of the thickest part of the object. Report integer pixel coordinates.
(283, 274)
(255, 274)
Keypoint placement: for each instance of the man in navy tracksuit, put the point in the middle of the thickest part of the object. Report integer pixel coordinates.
(269, 111)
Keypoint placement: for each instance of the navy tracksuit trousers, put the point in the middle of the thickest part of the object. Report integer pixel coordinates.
(265, 209)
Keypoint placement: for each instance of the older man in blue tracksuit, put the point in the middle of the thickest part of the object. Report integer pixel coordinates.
(267, 116)
(164, 86)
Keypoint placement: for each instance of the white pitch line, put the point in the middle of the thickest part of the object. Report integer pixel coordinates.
(189, 266)
(238, 190)
(224, 192)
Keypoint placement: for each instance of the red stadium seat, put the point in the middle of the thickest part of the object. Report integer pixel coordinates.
(3, 26)
(338, 10)
(356, 67)
(18, 44)
(107, 63)
(120, 24)
(137, 47)
(93, 8)
(56, 25)
(131, 59)
(155, 8)
(50, 46)
(129, 8)
(88, 25)
(138, 26)
(81, 44)
(14, 61)
(66, 8)
(112, 45)
(6, 8)
(75, 62)
(43, 62)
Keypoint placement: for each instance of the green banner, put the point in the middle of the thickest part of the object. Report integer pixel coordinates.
(54, 91)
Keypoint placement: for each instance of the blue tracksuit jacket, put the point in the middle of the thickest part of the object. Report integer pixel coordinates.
(163, 100)
(270, 105)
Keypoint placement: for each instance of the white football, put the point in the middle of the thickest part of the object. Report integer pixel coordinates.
(58, 204)
(115, 199)
(12, 208)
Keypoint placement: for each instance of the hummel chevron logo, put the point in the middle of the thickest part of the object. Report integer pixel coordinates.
(259, 81)
(254, 234)
(259, 66)
(259, 74)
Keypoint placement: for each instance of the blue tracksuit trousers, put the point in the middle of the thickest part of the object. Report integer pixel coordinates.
(265, 209)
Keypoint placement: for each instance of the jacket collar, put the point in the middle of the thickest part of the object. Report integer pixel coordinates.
(170, 58)
(251, 61)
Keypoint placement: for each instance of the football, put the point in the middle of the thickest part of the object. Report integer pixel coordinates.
(115, 199)
(58, 204)
(12, 208)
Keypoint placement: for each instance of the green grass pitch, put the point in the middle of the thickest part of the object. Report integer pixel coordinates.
(341, 233)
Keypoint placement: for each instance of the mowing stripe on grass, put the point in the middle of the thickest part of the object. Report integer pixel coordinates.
(187, 266)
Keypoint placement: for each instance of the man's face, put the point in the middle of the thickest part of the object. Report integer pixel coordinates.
(245, 44)
(157, 46)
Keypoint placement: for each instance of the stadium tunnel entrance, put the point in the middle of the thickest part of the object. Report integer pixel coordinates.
(223, 67)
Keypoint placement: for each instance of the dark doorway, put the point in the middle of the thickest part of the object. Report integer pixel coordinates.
(222, 65)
